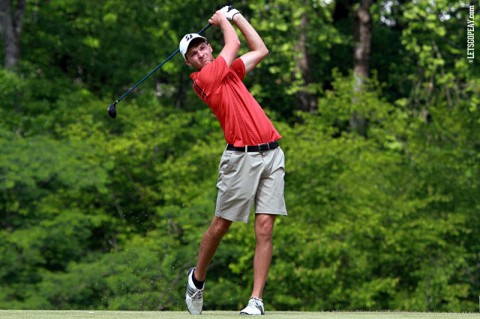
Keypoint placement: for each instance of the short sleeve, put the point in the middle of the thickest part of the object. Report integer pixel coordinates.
(211, 77)
(239, 68)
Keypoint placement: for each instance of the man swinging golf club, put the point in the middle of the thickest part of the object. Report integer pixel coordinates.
(251, 170)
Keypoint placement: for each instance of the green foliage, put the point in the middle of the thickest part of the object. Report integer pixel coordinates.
(108, 214)
(441, 65)
(277, 79)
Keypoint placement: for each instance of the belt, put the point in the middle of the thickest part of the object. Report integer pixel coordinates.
(254, 148)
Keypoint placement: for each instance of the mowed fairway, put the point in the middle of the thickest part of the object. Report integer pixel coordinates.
(23, 314)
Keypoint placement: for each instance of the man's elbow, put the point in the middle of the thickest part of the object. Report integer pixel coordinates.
(264, 52)
(233, 45)
(237, 44)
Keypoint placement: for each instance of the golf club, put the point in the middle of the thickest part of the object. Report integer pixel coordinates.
(112, 109)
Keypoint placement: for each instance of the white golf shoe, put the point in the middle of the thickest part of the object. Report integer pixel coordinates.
(255, 307)
(194, 296)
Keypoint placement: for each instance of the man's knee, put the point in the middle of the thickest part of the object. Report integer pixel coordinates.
(219, 227)
(264, 227)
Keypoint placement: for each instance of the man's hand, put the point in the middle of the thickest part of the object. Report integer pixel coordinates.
(229, 12)
(217, 18)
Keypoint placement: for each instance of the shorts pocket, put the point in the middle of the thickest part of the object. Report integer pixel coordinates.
(224, 162)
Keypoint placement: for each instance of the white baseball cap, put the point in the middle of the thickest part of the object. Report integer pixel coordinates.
(186, 40)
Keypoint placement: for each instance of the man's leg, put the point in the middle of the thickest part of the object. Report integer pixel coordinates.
(263, 252)
(210, 241)
(196, 276)
(261, 262)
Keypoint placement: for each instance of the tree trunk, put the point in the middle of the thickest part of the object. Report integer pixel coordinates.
(11, 19)
(306, 101)
(363, 39)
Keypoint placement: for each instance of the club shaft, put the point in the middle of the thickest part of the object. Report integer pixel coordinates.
(147, 76)
(157, 67)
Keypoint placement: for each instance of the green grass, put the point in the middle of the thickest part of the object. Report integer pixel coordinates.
(33, 314)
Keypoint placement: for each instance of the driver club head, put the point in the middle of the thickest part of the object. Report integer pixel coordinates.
(112, 110)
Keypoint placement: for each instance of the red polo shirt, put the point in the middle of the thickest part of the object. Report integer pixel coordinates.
(242, 119)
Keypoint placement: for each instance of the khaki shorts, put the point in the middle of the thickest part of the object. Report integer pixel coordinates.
(247, 178)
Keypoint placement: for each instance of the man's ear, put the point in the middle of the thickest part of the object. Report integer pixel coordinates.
(187, 63)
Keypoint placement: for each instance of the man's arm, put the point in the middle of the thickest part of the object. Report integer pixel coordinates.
(258, 49)
(230, 37)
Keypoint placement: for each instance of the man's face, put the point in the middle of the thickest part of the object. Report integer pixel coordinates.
(199, 55)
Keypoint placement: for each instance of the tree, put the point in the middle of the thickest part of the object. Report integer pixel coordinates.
(362, 39)
(106, 214)
(307, 101)
(11, 21)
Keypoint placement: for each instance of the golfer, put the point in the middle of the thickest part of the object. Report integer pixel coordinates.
(251, 170)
